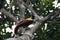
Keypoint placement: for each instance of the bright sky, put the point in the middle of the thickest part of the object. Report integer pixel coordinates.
(56, 4)
(12, 30)
(8, 1)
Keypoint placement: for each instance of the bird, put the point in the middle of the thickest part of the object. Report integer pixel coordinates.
(23, 24)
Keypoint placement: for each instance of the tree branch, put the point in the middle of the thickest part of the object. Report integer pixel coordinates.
(10, 5)
(36, 25)
(9, 15)
(30, 8)
(56, 13)
(22, 9)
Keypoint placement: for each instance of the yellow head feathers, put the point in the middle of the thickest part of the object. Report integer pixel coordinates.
(29, 18)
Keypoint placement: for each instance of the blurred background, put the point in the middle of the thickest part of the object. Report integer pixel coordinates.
(49, 30)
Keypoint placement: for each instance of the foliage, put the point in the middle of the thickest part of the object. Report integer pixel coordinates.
(42, 8)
